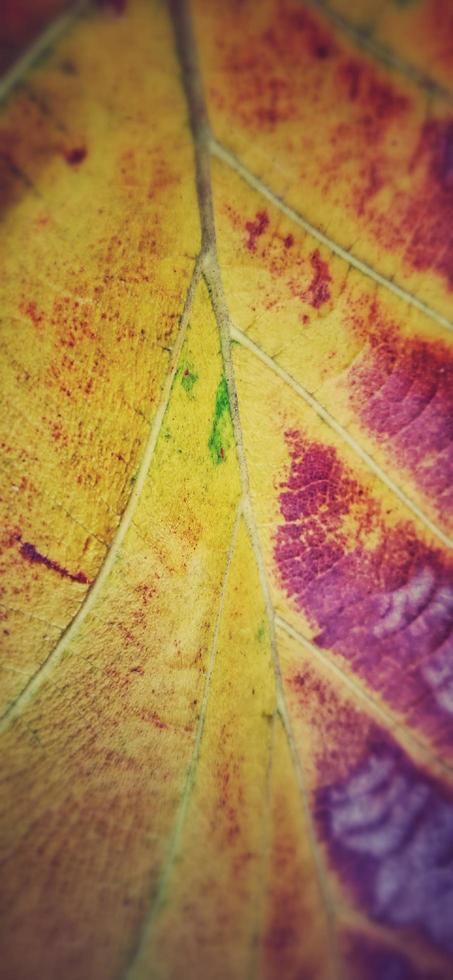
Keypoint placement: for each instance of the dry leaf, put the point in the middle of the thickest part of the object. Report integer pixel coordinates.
(227, 601)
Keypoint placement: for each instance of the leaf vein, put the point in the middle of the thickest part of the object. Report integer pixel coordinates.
(137, 961)
(226, 156)
(382, 714)
(322, 412)
(36, 681)
(382, 52)
(202, 141)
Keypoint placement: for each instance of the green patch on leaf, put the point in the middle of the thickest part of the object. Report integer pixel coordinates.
(189, 377)
(261, 633)
(221, 432)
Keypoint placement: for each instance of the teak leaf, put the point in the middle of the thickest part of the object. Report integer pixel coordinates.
(227, 386)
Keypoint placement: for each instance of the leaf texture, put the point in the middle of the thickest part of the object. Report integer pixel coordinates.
(227, 599)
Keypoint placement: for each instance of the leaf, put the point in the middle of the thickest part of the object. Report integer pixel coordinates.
(226, 593)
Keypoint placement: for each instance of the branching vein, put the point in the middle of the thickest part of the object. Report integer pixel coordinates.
(139, 956)
(211, 271)
(15, 707)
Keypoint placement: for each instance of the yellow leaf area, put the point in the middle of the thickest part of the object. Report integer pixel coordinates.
(227, 600)
(93, 287)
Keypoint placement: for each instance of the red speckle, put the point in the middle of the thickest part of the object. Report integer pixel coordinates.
(31, 310)
(56, 431)
(31, 554)
(372, 107)
(377, 100)
(222, 452)
(152, 718)
(428, 218)
(146, 592)
(299, 680)
(297, 32)
(263, 66)
(255, 229)
(350, 73)
(76, 155)
(372, 181)
(421, 219)
(318, 292)
(285, 262)
(278, 73)
(10, 537)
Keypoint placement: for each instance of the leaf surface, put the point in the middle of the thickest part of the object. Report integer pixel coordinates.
(227, 675)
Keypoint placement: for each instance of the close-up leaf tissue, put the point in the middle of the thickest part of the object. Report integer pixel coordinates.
(226, 579)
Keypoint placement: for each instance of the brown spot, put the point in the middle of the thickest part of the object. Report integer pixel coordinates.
(76, 155)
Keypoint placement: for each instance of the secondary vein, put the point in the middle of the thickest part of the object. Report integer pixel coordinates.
(45, 40)
(224, 154)
(15, 707)
(381, 52)
(139, 956)
(382, 714)
(349, 440)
